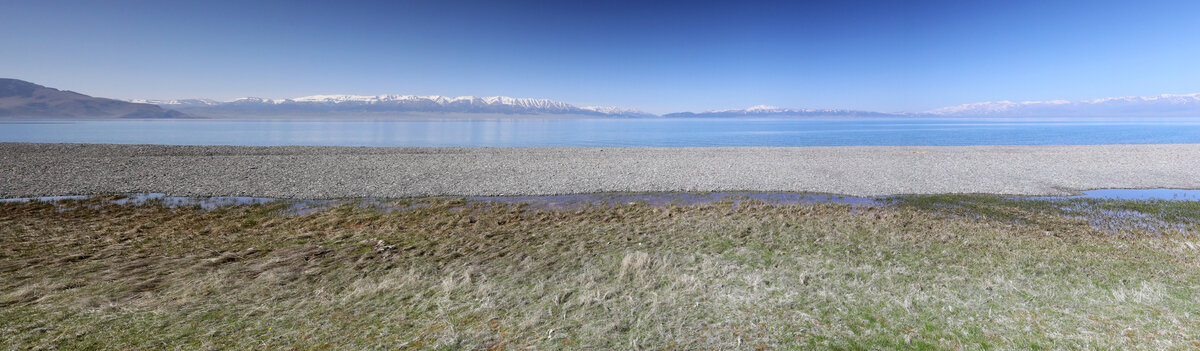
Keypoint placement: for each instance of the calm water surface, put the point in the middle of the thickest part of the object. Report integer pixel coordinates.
(608, 132)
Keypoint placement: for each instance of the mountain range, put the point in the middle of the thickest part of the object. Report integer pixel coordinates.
(1166, 105)
(24, 99)
(772, 111)
(389, 105)
(1133, 106)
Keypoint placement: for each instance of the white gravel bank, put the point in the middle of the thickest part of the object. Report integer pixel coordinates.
(332, 172)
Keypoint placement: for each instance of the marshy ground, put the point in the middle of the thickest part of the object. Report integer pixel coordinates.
(933, 272)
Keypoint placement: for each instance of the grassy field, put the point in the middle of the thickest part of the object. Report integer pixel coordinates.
(937, 272)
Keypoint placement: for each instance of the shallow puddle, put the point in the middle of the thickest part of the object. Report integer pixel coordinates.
(1141, 194)
(680, 199)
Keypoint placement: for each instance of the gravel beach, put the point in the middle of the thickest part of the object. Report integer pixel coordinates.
(334, 172)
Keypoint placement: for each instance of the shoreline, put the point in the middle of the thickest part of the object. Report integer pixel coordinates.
(323, 172)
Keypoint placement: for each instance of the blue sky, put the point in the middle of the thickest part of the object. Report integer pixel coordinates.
(657, 56)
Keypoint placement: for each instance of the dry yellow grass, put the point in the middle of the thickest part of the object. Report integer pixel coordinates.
(451, 274)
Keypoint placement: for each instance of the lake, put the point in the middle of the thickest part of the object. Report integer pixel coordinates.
(609, 132)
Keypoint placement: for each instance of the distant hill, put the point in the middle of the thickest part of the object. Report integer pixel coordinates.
(19, 98)
(772, 111)
(1166, 105)
(383, 105)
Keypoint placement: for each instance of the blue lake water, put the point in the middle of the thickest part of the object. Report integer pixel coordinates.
(608, 132)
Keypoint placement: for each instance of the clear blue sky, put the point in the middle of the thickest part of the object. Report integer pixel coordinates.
(657, 56)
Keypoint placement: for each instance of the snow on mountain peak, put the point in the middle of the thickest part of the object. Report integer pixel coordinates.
(255, 100)
(613, 110)
(1159, 105)
(176, 102)
(764, 108)
(434, 99)
(392, 103)
(775, 111)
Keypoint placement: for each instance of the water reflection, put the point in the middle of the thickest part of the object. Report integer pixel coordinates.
(1142, 194)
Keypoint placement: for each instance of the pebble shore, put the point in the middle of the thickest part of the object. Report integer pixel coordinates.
(302, 172)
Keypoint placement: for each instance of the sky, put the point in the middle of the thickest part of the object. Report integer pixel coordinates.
(658, 56)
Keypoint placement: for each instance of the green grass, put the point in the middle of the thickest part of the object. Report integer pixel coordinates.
(1118, 217)
(943, 272)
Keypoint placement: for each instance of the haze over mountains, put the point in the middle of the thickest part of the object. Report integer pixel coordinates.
(768, 111)
(1166, 105)
(24, 99)
(1134, 106)
(389, 104)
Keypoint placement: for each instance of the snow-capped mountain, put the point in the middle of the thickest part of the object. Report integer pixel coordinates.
(621, 111)
(773, 111)
(184, 102)
(389, 104)
(1166, 105)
